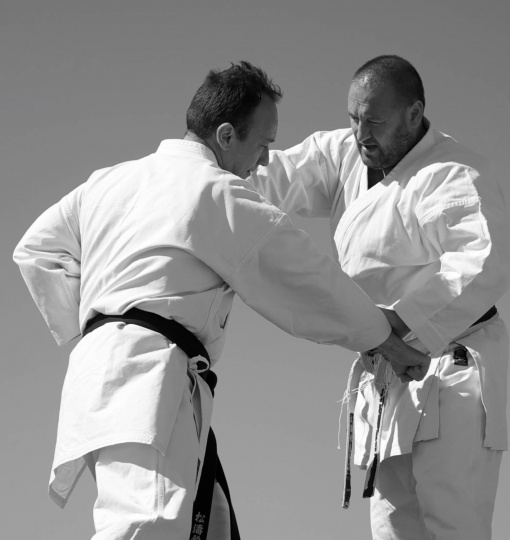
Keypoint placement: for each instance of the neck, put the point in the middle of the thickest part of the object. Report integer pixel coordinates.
(374, 176)
(190, 136)
(420, 133)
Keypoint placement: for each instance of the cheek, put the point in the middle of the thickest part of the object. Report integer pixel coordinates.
(390, 134)
(255, 156)
(383, 137)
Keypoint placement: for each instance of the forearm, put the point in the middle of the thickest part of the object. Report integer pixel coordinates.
(295, 181)
(307, 294)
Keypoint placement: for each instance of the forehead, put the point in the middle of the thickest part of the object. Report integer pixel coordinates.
(372, 100)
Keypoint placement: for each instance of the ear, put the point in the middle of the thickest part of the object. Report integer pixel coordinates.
(225, 135)
(415, 112)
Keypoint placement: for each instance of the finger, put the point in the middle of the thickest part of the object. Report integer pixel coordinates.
(398, 368)
(404, 378)
(417, 373)
(419, 370)
(401, 372)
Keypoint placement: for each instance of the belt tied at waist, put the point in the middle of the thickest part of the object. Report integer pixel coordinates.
(212, 471)
(172, 330)
(383, 373)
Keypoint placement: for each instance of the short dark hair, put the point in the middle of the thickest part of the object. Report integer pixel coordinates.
(400, 73)
(230, 96)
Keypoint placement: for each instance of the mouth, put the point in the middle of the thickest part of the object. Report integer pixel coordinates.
(369, 147)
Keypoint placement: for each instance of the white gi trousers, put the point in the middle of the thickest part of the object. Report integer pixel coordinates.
(446, 488)
(145, 495)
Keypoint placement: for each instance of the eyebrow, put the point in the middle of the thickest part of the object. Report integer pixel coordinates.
(371, 117)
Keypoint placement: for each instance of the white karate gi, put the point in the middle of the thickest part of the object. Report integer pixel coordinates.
(431, 242)
(172, 234)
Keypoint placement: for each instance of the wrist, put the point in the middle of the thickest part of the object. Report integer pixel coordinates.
(387, 347)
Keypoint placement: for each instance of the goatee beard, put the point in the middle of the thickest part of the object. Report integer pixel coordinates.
(391, 155)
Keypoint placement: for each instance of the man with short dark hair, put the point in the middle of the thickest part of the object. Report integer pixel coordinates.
(418, 223)
(144, 260)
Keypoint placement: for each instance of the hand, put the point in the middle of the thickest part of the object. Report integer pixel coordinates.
(399, 326)
(407, 363)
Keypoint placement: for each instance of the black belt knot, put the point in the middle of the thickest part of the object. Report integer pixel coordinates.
(212, 471)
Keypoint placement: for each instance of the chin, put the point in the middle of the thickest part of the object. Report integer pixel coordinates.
(371, 164)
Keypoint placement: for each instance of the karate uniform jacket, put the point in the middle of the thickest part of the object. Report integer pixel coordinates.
(429, 241)
(173, 234)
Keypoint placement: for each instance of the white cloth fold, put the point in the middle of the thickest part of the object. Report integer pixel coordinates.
(375, 373)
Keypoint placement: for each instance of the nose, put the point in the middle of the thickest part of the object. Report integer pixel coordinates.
(264, 157)
(363, 132)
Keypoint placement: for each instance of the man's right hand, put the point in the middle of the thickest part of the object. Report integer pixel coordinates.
(407, 363)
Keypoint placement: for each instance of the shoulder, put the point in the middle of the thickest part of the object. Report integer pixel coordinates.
(236, 191)
(450, 175)
(333, 142)
(448, 154)
(445, 162)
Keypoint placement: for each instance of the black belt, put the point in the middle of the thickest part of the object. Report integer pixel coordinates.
(212, 471)
(172, 330)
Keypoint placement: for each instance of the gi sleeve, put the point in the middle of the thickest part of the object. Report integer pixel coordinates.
(49, 259)
(304, 178)
(275, 269)
(461, 214)
(306, 294)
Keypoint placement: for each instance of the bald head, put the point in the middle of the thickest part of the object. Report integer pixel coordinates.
(385, 107)
(394, 71)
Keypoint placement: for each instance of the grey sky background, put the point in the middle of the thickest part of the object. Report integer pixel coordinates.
(85, 85)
